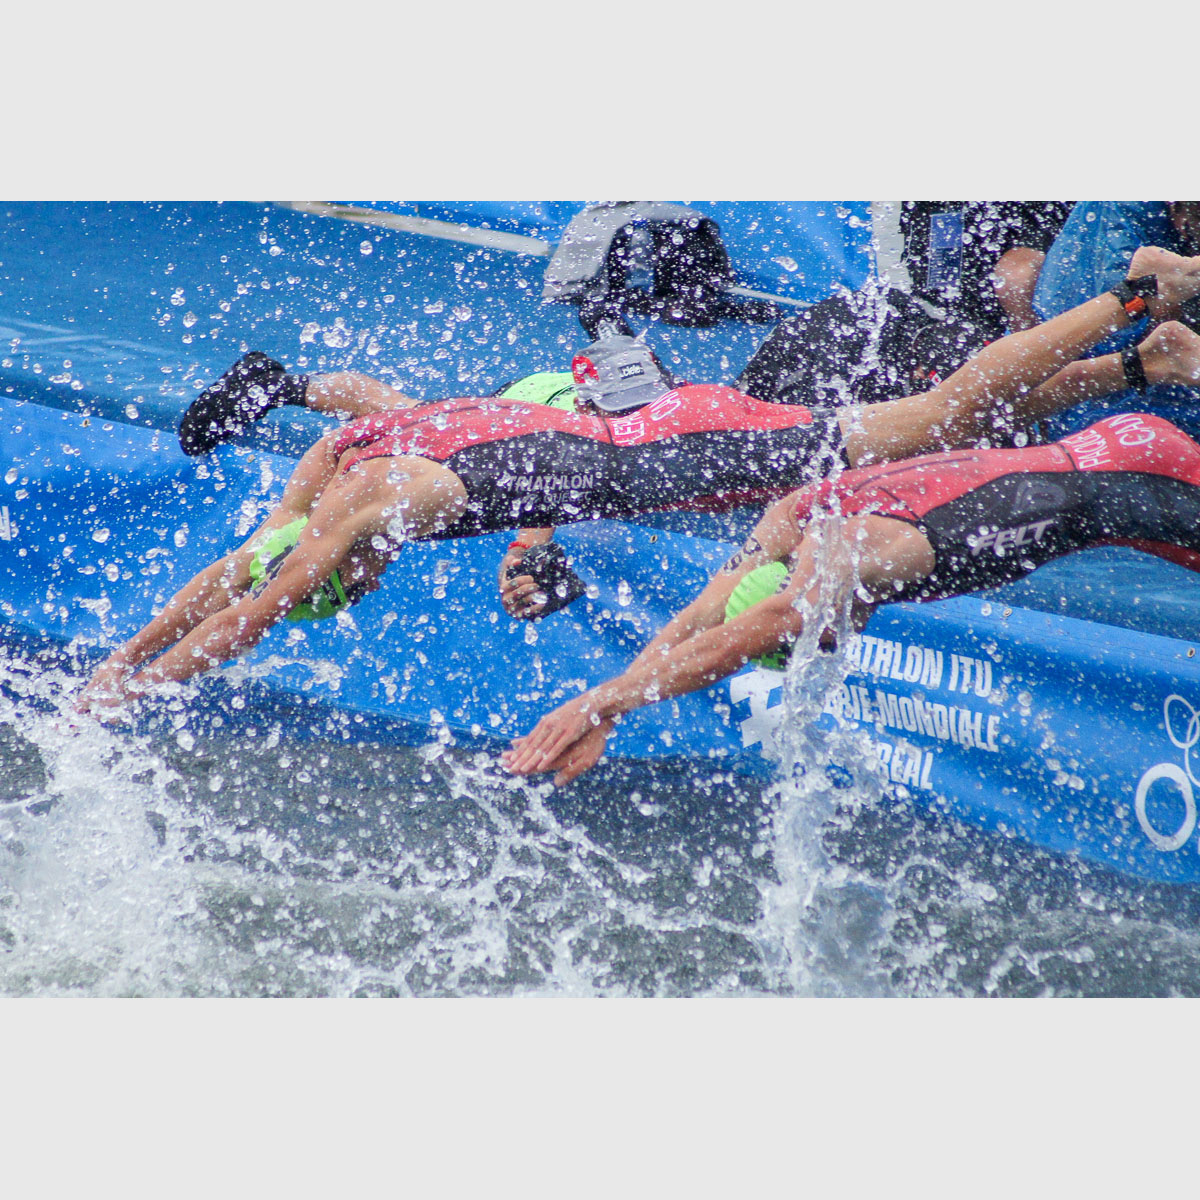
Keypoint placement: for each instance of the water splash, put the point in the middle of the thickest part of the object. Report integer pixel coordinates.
(92, 901)
(251, 860)
(182, 863)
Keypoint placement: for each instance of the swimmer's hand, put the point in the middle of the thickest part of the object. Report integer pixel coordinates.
(106, 694)
(525, 595)
(569, 741)
(522, 598)
(542, 582)
(1178, 278)
(520, 595)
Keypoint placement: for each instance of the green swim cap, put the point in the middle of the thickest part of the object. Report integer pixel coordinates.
(555, 389)
(761, 583)
(267, 560)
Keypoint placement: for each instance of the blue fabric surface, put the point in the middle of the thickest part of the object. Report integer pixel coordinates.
(1089, 256)
(126, 310)
(129, 309)
(803, 249)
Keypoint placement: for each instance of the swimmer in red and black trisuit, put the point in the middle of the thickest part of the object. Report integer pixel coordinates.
(923, 529)
(441, 470)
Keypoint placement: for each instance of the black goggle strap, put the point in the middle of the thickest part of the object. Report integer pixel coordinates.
(334, 592)
(332, 587)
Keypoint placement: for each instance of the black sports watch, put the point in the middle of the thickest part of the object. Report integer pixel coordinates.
(1133, 294)
(1133, 369)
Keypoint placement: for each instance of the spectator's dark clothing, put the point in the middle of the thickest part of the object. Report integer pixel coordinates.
(879, 343)
(951, 248)
(1091, 255)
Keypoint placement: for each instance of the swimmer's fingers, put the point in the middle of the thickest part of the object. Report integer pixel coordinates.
(104, 690)
(118, 715)
(582, 755)
(110, 693)
(579, 754)
(520, 585)
(544, 743)
(522, 597)
(511, 559)
(539, 749)
(108, 707)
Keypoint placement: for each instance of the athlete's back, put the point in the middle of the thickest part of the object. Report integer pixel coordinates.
(697, 446)
(994, 515)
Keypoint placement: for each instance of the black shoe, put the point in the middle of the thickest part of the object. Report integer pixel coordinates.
(253, 386)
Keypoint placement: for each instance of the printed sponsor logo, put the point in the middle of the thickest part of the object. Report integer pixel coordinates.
(757, 687)
(8, 530)
(1001, 541)
(899, 761)
(966, 727)
(664, 406)
(582, 482)
(1132, 430)
(1183, 728)
(886, 658)
(1036, 496)
(583, 370)
(525, 493)
(888, 713)
(626, 431)
(628, 370)
(1091, 447)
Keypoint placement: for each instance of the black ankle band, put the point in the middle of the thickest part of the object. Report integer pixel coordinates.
(1131, 365)
(292, 389)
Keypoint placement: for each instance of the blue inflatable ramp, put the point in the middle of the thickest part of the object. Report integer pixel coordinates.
(1064, 710)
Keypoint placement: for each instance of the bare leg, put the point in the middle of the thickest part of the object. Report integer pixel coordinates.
(1077, 382)
(256, 384)
(349, 395)
(962, 410)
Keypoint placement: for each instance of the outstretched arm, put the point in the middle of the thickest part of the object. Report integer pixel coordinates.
(230, 630)
(693, 652)
(211, 590)
(375, 500)
(577, 731)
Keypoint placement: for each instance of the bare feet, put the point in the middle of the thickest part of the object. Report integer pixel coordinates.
(1171, 354)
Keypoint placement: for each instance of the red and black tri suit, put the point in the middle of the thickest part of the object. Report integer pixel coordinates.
(993, 516)
(699, 446)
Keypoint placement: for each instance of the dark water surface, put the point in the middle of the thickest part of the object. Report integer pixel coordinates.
(179, 864)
